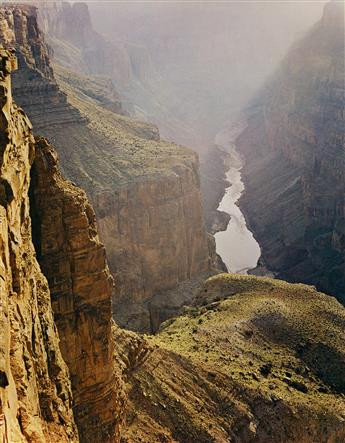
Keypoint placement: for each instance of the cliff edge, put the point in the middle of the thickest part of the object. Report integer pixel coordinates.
(57, 366)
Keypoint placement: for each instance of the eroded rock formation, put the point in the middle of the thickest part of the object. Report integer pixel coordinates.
(251, 359)
(146, 192)
(35, 391)
(295, 161)
(34, 86)
(73, 260)
(87, 51)
(66, 275)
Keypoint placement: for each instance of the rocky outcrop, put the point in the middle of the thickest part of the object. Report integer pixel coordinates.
(73, 260)
(35, 391)
(250, 359)
(295, 161)
(146, 192)
(34, 86)
(70, 25)
(146, 195)
(51, 262)
(155, 240)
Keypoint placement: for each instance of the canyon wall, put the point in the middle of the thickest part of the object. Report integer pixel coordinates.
(251, 358)
(35, 392)
(54, 283)
(146, 192)
(78, 46)
(73, 260)
(34, 86)
(295, 161)
(144, 93)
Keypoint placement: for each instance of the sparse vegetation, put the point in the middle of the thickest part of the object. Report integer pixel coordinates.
(121, 149)
(267, 352)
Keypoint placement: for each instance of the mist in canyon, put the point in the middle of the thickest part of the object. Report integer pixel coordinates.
(200, 63)
(197, 67)
(171, 205)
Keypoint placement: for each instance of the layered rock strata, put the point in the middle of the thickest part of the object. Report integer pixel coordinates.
(73, 260)
(34, 86)
(52, 262)
(78, 46)
(35, 392)
(147, 198)
(295, 160)
(146, 192)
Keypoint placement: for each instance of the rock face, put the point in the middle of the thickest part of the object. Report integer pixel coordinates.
(251, 359)
(295, 161)
(34, 86)
(87, 51)
(155, 240)
(146, 195)
(35, 392)
(146, 192)
(73, 260)
(43, 213)
(255, 360)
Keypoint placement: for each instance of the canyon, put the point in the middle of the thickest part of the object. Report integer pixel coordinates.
(196, 380)
(235, 358)
(145, 191)
(294, 161)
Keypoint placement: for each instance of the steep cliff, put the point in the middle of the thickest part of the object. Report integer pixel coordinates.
(35, 392)
(51, 263)
(146, 192)
(144, 93)
(295, 161)
(78, 46)
(34, 86)
(253, 358)
(73, 260)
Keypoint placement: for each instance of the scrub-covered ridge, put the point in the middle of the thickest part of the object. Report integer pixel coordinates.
(254, 360)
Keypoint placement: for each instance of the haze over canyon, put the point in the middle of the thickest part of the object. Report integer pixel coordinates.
(172, 222)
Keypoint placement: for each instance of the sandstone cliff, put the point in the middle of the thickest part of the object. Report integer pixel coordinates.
(146, 192)
(144, 93)
(48, 232)
(34, 86)
(253, 358)
(35, 392)
(295, 161)
(73, 260)
(148, 205)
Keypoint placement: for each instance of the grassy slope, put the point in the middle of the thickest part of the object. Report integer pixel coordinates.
(265, 364)
(113, 148)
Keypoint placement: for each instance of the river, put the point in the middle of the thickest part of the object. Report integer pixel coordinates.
(236, 245)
